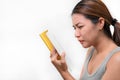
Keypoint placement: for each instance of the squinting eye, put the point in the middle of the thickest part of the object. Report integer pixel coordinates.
(80, 27)
(77, 27)
(74, 28)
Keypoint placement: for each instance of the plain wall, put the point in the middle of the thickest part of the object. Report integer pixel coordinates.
(23, 55)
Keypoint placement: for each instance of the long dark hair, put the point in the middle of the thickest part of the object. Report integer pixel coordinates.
(93, 10)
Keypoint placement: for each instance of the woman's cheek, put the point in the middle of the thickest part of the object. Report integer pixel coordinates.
(84, 34)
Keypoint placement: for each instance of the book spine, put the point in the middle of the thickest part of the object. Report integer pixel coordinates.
(46, 40)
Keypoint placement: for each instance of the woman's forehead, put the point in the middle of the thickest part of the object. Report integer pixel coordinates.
(79, 18)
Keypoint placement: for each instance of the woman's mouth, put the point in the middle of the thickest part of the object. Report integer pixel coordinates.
(81, 41)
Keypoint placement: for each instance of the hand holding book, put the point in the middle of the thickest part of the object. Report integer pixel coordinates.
(51, 42)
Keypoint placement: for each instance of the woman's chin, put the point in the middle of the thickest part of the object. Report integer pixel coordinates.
(85, 46)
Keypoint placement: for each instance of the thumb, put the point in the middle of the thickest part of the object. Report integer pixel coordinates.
(63, 56)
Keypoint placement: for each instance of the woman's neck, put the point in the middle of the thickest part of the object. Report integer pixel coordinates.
(104, 44)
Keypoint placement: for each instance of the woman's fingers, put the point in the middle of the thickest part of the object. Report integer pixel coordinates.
(53, 52)
(63, 55)
(58, 61)
(56, 58)
(53, 55)
(53, 58)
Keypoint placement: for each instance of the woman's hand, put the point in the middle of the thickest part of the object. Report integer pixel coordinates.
(60, 64)
(58, 61)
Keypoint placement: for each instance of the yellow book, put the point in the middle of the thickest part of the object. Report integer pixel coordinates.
(46, 40)
(51, 42)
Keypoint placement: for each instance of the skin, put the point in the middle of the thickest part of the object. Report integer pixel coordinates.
(91, 35)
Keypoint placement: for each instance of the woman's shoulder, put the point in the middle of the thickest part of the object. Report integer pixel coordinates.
(115, 59)
(113, 68)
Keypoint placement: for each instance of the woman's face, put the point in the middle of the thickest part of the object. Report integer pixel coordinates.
(85, 31)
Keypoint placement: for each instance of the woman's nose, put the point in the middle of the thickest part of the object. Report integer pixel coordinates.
(77, 33)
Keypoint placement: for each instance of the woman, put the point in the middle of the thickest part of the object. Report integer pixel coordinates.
(91, 21)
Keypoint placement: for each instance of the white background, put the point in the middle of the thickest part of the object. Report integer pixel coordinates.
(23, 55)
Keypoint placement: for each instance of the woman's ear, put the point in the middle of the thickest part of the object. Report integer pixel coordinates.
(101, 23)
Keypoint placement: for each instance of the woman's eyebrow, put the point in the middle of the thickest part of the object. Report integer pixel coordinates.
(76, 24)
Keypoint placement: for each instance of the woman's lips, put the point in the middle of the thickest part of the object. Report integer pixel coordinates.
(81, 41)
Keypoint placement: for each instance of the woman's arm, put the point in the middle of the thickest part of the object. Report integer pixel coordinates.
(113, 68)
(66, 75)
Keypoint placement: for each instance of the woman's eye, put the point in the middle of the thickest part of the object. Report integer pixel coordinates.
(74, 28)
(80, 27)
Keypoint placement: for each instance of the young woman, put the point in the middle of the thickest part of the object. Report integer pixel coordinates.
(91, 21)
